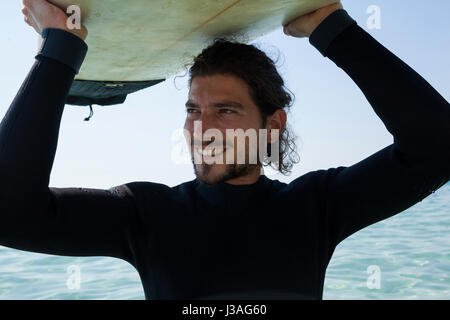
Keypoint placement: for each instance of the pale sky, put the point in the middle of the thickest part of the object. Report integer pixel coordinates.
(333, 120)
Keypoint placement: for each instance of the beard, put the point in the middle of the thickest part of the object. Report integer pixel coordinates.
(206, 174)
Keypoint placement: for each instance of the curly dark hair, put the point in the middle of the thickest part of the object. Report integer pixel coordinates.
(267, 87)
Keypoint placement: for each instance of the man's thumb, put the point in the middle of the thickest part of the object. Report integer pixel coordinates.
(286, 30)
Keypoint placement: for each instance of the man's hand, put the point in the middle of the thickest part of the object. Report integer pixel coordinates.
(304, 26)
(40, 14)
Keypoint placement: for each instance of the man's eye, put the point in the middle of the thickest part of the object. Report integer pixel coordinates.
(191, 110)
(227, 111)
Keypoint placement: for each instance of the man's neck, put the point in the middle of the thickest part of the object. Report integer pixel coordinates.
(250, 178)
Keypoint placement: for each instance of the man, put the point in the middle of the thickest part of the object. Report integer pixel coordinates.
(232, 232)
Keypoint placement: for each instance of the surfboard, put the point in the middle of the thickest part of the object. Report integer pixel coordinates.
(134, 44)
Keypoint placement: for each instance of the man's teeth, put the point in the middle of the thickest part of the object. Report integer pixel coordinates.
(209, 152)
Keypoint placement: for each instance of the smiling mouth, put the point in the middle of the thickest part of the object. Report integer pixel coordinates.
(209, 152)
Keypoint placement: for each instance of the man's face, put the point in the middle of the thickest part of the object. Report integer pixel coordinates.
(220, 102)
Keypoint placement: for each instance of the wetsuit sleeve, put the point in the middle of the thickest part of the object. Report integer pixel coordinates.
(415, 165)
(34, 217)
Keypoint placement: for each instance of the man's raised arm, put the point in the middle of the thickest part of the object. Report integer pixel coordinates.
(418, 117)
(34, 217)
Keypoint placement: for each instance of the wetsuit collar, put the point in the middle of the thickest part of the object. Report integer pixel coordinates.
(223, 186)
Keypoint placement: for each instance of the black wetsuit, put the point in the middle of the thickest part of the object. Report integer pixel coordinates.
(198, 241)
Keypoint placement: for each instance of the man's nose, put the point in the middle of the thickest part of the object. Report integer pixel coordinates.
(206, 121)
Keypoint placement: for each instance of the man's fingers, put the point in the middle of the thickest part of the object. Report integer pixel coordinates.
(42, 14)
(30, 3)
(27, 3)
(26, 16)
(27, 20)
(31, 23)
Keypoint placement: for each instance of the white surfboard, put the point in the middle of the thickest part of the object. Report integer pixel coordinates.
(142, 40)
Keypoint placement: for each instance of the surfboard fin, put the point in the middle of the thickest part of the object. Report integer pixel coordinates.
(104, 93)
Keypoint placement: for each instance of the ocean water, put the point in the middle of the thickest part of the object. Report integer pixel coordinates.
(404, 257)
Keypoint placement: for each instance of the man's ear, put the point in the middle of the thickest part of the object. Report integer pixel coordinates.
(276, 121)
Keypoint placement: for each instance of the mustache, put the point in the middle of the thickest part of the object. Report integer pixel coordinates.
(204, 144)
